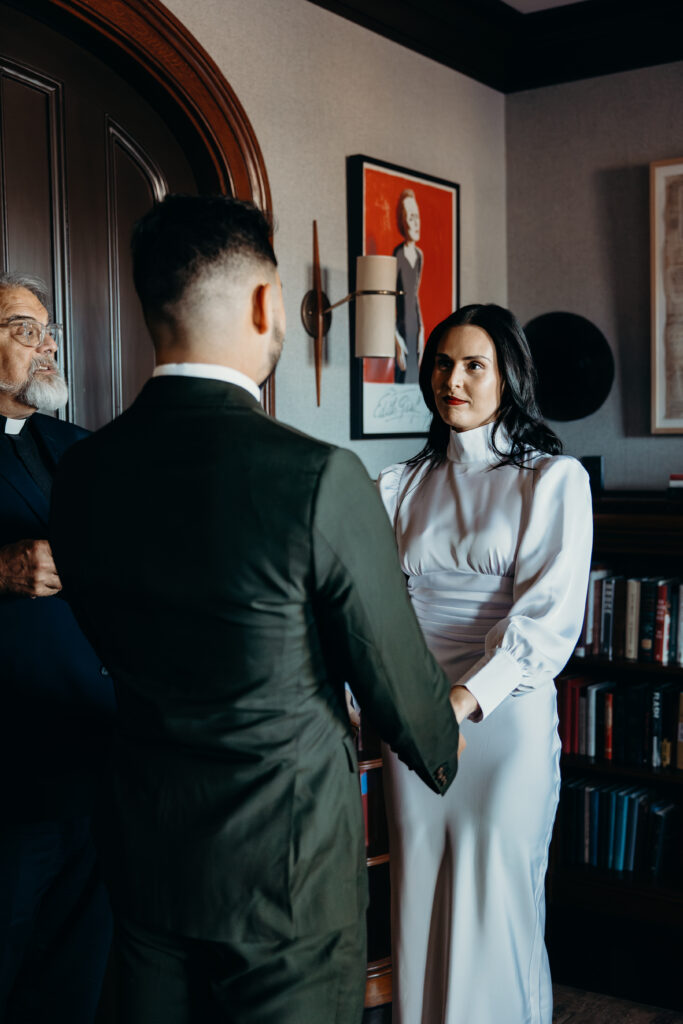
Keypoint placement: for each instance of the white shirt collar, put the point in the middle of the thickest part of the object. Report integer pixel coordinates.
(211, 370)
(14, 426)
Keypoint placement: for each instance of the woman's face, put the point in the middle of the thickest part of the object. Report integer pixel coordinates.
(466, 381)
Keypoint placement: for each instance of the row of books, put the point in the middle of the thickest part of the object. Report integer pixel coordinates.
(629, 722)
(632, 618)
(619, 828)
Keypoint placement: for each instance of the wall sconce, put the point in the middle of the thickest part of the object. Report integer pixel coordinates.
(375, 297)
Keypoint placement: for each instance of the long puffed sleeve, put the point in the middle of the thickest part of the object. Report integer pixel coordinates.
(537, 637)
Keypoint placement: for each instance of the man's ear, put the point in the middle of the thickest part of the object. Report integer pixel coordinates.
(260, 308)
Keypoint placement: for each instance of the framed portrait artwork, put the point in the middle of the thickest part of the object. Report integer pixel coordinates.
(393, 211)
(666, 269)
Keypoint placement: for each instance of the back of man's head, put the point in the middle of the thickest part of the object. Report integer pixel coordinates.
(183, 240)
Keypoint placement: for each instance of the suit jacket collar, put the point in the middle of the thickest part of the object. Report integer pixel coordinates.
(165, 392)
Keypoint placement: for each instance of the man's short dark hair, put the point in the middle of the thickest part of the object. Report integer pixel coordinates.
(181, 236)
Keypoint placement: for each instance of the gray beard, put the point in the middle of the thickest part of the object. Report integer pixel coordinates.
(49, 393)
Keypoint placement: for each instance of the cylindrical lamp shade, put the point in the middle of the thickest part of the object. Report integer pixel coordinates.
(376, 314)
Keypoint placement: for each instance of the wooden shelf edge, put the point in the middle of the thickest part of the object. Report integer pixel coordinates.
(592, 662)
(378, 987)
(579, 763)
(380, 858)
(623, 897)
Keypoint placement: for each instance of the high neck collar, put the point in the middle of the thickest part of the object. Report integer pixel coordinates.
(475, 445)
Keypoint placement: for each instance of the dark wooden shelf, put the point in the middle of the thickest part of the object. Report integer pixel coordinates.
(378, 984)
(578, 764)
(632, 522)
(622, 896)
(620, 666)
(366, 766)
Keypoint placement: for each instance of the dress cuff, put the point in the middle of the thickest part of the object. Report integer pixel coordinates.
(492, 678)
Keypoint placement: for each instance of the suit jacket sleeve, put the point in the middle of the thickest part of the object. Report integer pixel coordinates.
(369, 627)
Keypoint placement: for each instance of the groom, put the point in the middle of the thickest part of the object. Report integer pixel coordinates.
(232, 573)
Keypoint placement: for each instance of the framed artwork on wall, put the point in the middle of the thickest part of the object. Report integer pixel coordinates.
(393, 211)
(666, 283)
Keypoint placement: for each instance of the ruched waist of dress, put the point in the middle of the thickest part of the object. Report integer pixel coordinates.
(460, 605)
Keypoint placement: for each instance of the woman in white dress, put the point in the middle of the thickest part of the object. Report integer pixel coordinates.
(494, 530)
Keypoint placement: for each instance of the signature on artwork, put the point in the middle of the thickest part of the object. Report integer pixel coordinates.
(398, 404)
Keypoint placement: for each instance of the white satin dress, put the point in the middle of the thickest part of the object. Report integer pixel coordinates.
(497, 562)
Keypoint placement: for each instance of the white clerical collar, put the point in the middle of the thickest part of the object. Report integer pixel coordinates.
(13, 426)
(211, 370)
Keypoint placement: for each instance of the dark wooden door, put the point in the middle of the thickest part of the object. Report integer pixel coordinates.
(82, 156)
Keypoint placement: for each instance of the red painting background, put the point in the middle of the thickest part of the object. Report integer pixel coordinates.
(381, 189)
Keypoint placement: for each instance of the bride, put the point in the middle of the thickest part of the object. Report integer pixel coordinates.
(494, 531)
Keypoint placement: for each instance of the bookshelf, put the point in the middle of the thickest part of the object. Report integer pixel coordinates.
(378, 988)
(621, 931)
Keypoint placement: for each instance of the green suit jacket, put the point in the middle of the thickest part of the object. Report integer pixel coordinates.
(232, 573)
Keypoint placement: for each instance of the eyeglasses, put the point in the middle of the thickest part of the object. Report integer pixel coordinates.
(31, 333)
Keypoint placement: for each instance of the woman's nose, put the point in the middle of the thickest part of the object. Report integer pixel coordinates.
(454, 378)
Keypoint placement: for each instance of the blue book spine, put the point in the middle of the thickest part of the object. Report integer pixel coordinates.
(620, 827)
(611, 810)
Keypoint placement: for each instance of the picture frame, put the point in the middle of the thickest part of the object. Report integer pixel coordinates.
(396, 211)
(666, 289)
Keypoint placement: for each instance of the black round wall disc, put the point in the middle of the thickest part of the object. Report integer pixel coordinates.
(574, 363)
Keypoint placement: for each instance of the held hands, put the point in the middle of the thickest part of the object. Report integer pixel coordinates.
(28, 569)
(464, 705)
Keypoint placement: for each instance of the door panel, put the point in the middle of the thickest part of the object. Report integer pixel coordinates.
(82, 156)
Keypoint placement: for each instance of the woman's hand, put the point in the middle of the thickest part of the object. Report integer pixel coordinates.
(464, 703)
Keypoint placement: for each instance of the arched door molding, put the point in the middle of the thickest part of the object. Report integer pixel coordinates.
(146, 42)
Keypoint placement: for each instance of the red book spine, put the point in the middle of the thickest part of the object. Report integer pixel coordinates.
(609, 725)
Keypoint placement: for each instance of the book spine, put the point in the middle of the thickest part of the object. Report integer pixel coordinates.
(674, 597)
(580, 651)
(619, 619)
(662, 624)
(609, 725)
(656, 757)
(590, 720)
(597, 616)
(582, 721)
(632, 619)
(607, 618)
(648, 609)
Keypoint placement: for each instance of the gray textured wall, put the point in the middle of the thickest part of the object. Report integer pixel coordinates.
(578, 241)
(317, 89)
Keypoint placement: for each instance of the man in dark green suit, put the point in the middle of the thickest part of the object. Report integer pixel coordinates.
(232, 573)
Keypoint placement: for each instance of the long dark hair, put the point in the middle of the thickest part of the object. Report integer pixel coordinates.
(518, 414)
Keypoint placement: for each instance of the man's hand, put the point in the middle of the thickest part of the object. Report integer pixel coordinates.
(28, 569)
(463, 703)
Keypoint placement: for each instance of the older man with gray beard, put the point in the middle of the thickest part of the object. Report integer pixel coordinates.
(57, 701)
